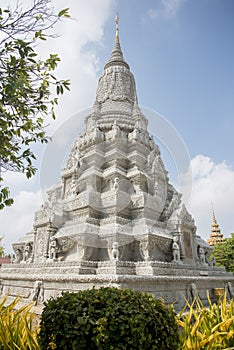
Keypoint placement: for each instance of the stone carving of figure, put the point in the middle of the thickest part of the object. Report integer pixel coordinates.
(116, 132)
(31, 258)
(38, 292)
(133, 136)
(176, 250)
(229, 290)
(18, 256)
(97, 135)
(193, 291)
(201, 254)
(207, 260)
(53, 248)
(27, 253)
(137, 184)
(115, 251)
(213, 261)
(116, 184)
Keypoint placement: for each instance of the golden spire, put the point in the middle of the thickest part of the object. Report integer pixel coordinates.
(215, 236)
(214, 222)
(117, 28)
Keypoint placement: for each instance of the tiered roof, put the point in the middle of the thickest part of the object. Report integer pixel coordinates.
(215, 236)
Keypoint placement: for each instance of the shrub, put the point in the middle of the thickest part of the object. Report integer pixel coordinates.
(207, 328)
(17, 327)
(108, 318)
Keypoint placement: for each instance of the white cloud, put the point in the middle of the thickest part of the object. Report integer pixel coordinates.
(17, 220)
(212, 183)
(79, 62)
(167, 9)
(76, 48)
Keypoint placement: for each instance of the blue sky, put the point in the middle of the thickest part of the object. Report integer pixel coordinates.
(183, 63)
(182, 55)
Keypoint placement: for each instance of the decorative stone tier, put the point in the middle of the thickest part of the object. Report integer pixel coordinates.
(172, 282)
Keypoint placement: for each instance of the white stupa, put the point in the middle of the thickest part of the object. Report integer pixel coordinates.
(114, 218)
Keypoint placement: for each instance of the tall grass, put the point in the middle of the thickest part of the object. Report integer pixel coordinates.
(17, 326)
(207, 328)
(202, 328)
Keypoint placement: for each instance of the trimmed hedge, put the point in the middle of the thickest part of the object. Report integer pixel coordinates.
(108, 318)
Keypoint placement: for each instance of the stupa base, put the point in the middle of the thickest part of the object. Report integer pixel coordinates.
(173, 283)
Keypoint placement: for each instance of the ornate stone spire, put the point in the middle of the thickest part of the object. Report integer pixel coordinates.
(116, 54)
(116, 93)
(215, 236)
(117, 28)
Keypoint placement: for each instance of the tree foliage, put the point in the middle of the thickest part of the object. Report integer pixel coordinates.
(1, 248)
(224, 254)
(26, 86)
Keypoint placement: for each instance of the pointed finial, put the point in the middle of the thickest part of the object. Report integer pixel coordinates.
(117, 28)
(213, 214)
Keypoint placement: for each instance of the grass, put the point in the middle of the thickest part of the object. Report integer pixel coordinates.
(17, 326)
(201, 328)
(207, 328)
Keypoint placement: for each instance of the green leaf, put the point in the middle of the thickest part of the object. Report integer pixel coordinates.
(26, 88)
(64, 13)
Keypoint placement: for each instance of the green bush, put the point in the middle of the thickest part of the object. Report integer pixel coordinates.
(108, 318)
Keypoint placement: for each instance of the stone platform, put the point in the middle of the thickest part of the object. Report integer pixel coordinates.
(174, 283)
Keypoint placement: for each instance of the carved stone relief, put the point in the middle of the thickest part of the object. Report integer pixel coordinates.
(201, 255)
(176, 250)
(18, 254)
(73, 159)
(53, 248)
(229, 290)
(38, 292)
(188, 245)
(65, 244)
(185, 217)
(84, 252)
(41, 244)
(192, 293)
(28, 253)
(115, 84)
